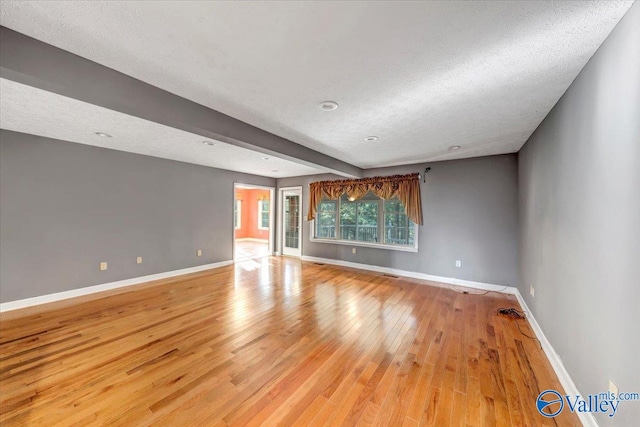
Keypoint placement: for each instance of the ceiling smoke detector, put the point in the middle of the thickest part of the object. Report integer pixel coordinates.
(208, 143)
(454, 148)
(103, 135)
(371, 138)
(328, 105)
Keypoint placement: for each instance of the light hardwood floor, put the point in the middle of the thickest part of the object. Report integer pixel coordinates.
(274, 342)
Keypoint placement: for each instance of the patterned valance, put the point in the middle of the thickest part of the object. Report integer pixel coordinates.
(405, 187)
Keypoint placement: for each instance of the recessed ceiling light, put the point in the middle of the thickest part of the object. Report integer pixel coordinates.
(328, 105)
(454, 148)
(104, 135)
(265, 158)
(371, 138)
(208, 143)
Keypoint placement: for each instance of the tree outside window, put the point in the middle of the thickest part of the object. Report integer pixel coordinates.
(369, 219)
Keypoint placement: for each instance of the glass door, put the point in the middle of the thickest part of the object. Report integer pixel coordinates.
(292, 222)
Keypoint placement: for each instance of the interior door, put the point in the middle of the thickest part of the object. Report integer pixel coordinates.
(292, 222)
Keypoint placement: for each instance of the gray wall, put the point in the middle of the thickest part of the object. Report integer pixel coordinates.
(470, 214)
(65, 207)
(579, 206)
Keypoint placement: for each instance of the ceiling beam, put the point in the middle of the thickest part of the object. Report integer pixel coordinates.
(31, 62)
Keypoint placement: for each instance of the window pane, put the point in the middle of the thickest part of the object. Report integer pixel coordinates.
(326, 220)
(359, 219)
(398, 229)
(327, 206)
(264, 214)
(367, 223)
(347, 213)
(348, 218)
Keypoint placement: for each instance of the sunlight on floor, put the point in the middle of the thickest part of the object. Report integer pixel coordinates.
(249, 249)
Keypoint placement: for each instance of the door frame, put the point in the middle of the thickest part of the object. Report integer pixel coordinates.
(272, 223)
(281, 199)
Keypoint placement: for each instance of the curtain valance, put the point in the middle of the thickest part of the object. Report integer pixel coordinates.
(405, 187)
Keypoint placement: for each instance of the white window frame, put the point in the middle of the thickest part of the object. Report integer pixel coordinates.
(238, 214)
(379, 245)
(260, 204)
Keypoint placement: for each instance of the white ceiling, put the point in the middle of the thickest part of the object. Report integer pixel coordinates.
(38, 112)
(422, 76)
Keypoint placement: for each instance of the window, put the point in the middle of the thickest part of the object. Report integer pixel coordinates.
(398, 229)
(237, 215)
(263, 214)
(359, 220)
(370, 220)
(326, 219)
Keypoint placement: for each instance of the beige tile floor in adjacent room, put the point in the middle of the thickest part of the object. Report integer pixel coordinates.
(248, 249)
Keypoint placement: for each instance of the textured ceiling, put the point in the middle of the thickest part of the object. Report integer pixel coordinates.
(30, 110)
(422, 76)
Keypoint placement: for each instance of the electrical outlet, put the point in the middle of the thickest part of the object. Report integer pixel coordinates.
(139, 260)
(103, 266)
(458, 263)
(613, 388)
(353, 250)
(532, 291)
(199, 252)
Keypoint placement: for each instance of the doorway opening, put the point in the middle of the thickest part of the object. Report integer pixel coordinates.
(253, 223)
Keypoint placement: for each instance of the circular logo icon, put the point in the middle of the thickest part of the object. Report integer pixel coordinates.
(549, 403)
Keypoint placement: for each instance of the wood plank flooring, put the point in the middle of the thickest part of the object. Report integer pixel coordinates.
(274, 342)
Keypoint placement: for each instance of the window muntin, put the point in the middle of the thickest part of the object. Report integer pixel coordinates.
(263, 214)
(369, 220)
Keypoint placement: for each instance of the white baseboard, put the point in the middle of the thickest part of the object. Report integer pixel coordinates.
(415, 275)
(567, 383)
(58, 296)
